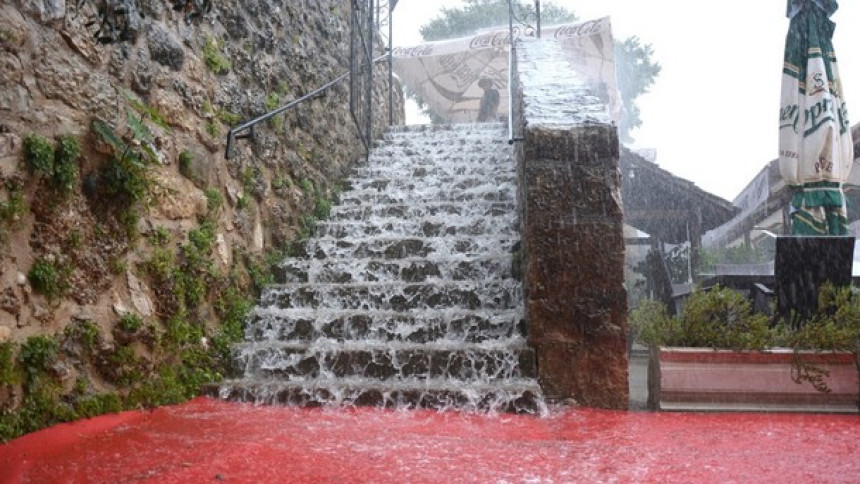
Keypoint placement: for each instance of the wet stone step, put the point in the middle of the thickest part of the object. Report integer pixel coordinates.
(489, 142)
(456, 164)
(505, 294)
(275, 324)
(403, 177)
(404, 185)
(400, 248)
(395, 162)
(452, 226)
(515, 396)
(408, 270)
(327, 359)
(424, 210)
(412, 131)
(496, 192)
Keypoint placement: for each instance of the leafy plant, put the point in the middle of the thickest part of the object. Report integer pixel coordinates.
(39, 154)
(65, 170)
(307, 186)
(322, 209)
(212, 128)
(37, 355)
(214, 200)
(85, 332)
(214, 59)
(47, 278)
(134, 144)
(243, 201)
(722, 319)
(58, 164)
(186, 159)
(272, 101)
(203, 237)
(147, 111)
(160, 237)
(229, 118)
(12, 209)
(125, 366)
(125, 177)
(7, 363)
(99, 404)
(130, 322)
(717, 318)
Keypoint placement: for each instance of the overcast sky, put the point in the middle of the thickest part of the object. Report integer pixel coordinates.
(712, 113)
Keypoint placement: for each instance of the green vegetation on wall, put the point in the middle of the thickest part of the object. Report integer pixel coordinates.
(215, 60)
(56, 163)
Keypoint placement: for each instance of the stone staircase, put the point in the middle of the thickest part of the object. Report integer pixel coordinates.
(406, 296)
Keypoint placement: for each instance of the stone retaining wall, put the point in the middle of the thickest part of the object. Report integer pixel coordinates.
(573, 245)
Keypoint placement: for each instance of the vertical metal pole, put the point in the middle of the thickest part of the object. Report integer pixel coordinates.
(537, 13)
(369, 88)
(390, 64)
(511, 56)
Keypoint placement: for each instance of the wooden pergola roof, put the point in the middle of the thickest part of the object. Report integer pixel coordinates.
(665, 206)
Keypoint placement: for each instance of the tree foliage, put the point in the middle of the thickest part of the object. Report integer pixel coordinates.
(634, 66)
(482, 14)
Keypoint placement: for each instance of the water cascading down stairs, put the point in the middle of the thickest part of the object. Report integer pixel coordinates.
(406, 296)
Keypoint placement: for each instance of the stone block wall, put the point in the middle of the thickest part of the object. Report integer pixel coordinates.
(573, 244)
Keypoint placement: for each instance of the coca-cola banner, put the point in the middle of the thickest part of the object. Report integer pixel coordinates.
(446, 74)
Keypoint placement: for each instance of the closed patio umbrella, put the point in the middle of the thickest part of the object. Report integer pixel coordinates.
(815, 147)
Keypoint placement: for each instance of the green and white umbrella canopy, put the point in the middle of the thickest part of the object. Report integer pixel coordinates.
(815, 147)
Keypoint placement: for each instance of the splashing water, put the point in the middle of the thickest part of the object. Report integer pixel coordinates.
(406, 297)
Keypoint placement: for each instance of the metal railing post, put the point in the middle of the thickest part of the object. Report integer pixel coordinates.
(537, 14)
(390, 63)
(511, 55)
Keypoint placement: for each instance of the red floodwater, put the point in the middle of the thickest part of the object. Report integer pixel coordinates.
(211, 441)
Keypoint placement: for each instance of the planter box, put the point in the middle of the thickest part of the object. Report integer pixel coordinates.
(703, 379)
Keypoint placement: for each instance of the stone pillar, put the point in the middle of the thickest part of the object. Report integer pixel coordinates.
(573, 246)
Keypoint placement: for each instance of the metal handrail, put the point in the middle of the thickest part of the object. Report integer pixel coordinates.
(249, 125)
(511, 63)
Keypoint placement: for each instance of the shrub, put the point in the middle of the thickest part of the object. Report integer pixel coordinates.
(723, 318)
(125, 182)
(214, 59)
(39, 154)
(272, 101)
(160, 237)
(47, 278)
(186, 158)
(203, 237)
(130, 322)
(59, 165)
(12, 209)
(85, 332)
(7, 363)
(322, 207)
(86, 407)
(307, 186)
(65, 169)
(37, 355)
(717, 318)
(212, 128)
(228, 117)
(214, 200)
